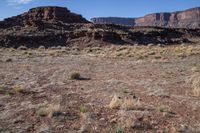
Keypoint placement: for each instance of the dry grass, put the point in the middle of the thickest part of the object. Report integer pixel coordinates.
(53, 110)
(50, 111)
(143, 52)
(42, 112)
(195, 69)
(19, 88)
(164, 109)
(130, 104)
(115, 102)
(196, 85)
(126, 103)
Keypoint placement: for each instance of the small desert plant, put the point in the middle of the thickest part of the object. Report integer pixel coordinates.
(75, 76)
(130, 104)
(8, 60)
(115, 102)
(164, 109)
(119, 130)
(2, 88)
(83, 109)
(53, 110)
(195, 69)
(42, 112)
(196, 86)
(19, 88)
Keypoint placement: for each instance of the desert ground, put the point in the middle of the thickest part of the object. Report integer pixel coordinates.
(110, 89)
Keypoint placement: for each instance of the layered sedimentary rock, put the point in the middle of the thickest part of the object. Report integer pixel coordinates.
(36, 16)
(182, 19)
(114, 20)
(57, 26)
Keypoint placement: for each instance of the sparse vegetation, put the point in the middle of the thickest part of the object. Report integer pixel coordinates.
(164, 109)
(83, 109)
(75, 76)
(53, 110)
(2, 88)
(19, 88)
(50, 111)
(42, 112)
(115, 102)
(50, 92)
(119, 130)
(196, 85)
(130, 104)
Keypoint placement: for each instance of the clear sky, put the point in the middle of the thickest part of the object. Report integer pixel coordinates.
(99, 8)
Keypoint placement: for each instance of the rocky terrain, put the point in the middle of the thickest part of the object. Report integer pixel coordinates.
(57, 26)
(182, 19)
(110, 89)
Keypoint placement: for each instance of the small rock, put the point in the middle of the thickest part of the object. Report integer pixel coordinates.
(41, 48)
(44, 129)
(22, 48)
(151, 44)
(102, 119)
(114, 120)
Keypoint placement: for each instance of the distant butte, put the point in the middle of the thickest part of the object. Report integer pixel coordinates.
(39, 14)
(182, 19)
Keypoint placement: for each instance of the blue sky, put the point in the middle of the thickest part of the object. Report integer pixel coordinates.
(97, 8)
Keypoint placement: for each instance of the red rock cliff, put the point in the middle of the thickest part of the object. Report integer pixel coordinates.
(48, 14)
(183, 19)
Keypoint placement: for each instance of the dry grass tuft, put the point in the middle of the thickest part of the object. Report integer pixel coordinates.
(195, 69)
(130, 104)
(126, 103)
(19, 88)
(115, 102)
(164, 109)
(196, 86)
(53, 110)
(42, 112)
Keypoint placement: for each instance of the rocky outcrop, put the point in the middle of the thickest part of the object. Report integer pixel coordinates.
(183, 19)
(36, 16)
(57, 26)
(114, 20)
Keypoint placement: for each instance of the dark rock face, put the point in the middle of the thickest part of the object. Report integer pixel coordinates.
(114, 20)
(182, 19)
(36, 16)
